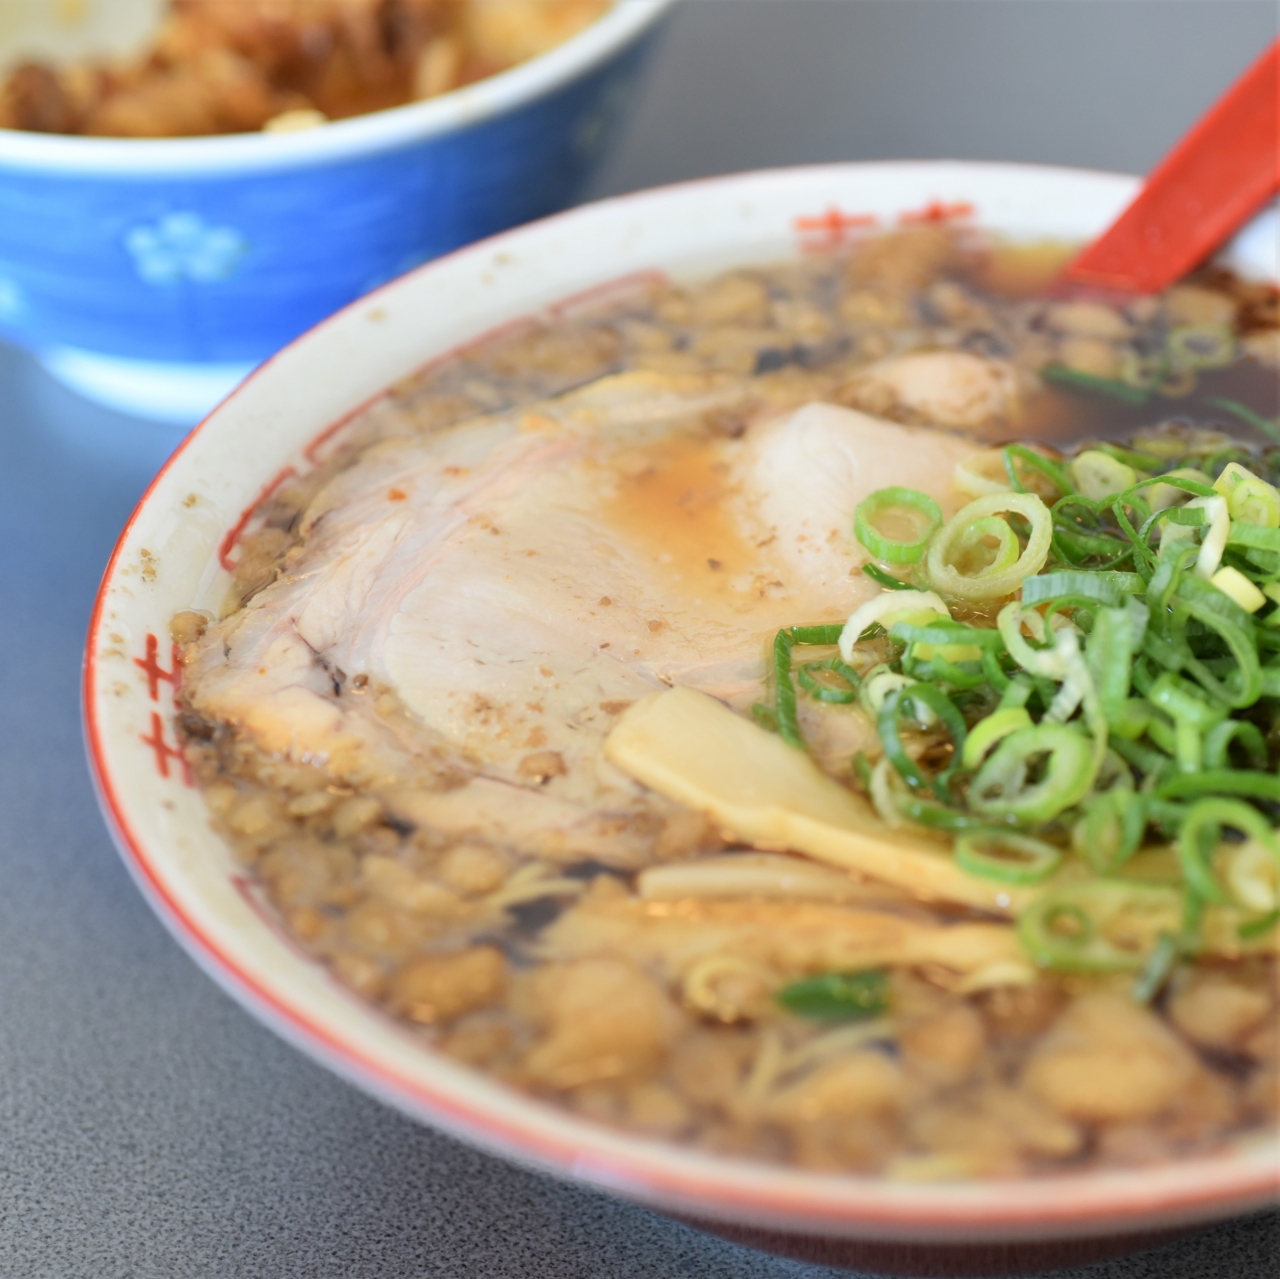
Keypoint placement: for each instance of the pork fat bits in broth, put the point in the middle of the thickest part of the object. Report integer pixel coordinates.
(539, 714)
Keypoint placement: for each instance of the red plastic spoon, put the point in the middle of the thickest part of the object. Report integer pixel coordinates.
(1219, 174)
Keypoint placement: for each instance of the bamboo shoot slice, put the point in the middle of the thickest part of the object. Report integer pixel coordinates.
(696, 751)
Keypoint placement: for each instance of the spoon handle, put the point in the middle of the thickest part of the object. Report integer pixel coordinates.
(1220, 173)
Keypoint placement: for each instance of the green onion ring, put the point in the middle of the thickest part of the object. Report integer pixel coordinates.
(1235, 628)
(887, 724)
(1109, 651)
(1181, 700)
(1109, 588)
(1200, 346)
(1219, 738)
(1202, 826)
(1034, 860)
(806, 674)
(1174, 481)
(939, 817)
(1007, 548)
(994, 728)
(1111, 829)
(1083, 927)
(887, 549)
(937, 670)
(787, 725)
(1000, 787)
(948, 580)
(1055, 474)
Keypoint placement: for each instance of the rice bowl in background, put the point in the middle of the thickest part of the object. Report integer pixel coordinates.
(154, 274)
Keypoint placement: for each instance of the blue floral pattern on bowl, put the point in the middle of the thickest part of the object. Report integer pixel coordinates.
(183, 246)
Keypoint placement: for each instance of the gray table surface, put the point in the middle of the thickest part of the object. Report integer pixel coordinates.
(152, 1130)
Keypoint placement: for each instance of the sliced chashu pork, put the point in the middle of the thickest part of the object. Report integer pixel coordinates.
(519, 580)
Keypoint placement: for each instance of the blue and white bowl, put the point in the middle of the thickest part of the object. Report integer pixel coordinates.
(153, 275)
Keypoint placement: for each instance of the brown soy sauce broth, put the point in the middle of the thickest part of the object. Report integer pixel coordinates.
(942, 1096)
(1064, 419)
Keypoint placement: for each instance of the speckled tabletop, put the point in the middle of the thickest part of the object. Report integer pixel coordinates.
(151, 1130)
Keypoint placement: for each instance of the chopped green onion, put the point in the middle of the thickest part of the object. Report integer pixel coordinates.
(1070, 380)
(877, 684)
(837, 996)
(1097, 474)
(1106, 588)
(1165, 492)
(1109, 652)
(1036, 462)
(938, 816)
(1199, 836)
(985, 584)
(1130, 457)
(826, 692)
(785, 721)
(1002, 786)
(1263, 786)
(1250, 499)
(941, 708)
(907, 503)
(1257, 928)
(1111, 829)
(1129, 685)
(976, 476)
(1152, 762)
(1016, 693)
(784, 711)
(945, 634)
(990, 540)
(764, 716)
(885, 610)
(1158, 970)
(1200, 346)
(994, 728)
(1214, 541)
(887, 580)
(1100, 925)
(1258, 536)
(1008, 857)
(1184, 702)
(816, 635)
(1214, 610)
(1220, 736)
(1254, 419)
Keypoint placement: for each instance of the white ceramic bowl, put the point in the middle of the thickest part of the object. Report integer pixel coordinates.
(172, 556)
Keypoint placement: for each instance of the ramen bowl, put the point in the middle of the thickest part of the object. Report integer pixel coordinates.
(175, 555)
(153, 274)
